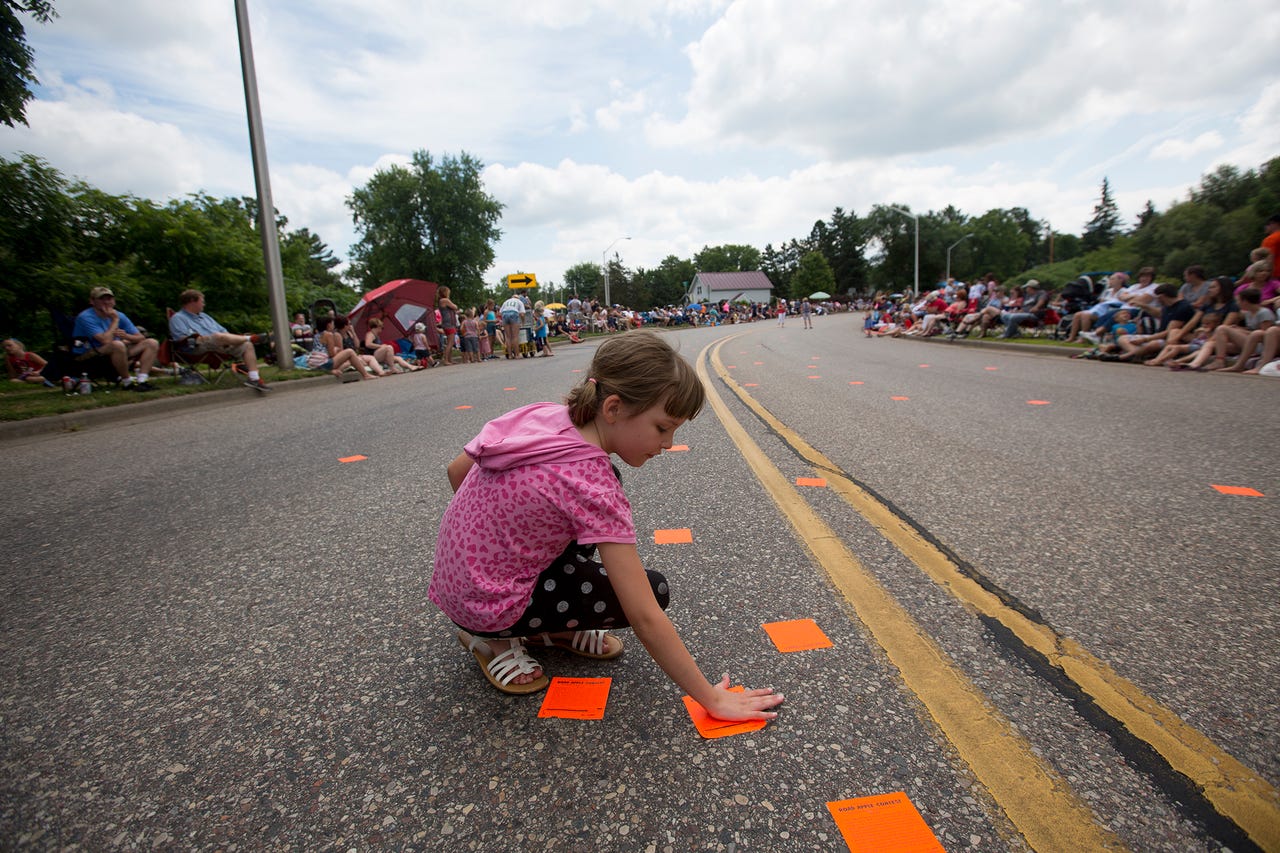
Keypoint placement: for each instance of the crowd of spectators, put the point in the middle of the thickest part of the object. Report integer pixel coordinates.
(1221, 323)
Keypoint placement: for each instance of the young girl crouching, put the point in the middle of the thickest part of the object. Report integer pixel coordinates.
(536, 497)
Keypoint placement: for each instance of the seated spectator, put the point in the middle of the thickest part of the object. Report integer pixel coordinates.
(1100, 313)
(1143, 294)
(929, 311)
(1269, 349)
(1178, 355)
(101, 330)
(384, 354)
(328, 353)
(1195, 286)
(1035, 302)
(1221, 301)
(1259, 276)
(1108, 348)
(1260, 322)
(195, 332)
(1175, 313)
(1229, 340)
(24, 366)
(303, 334)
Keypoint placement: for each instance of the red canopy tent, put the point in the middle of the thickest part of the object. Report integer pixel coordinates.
(399, 304)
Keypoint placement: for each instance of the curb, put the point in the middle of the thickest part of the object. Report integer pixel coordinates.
(77, 421)
(1028, 349)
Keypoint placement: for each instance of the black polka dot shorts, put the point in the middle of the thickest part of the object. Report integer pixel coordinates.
(574, 594)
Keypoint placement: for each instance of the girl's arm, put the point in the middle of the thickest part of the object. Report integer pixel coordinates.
(458, 469)
(659, 637)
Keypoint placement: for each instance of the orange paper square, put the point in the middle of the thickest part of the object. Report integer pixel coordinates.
(816, 482)
(576, 698)
(356, 458)
(710, 727)
(1240, 490)
(674, 536)
(886, 823)
(750, 384)
(677, 448)
(460, 408)
(797, 635)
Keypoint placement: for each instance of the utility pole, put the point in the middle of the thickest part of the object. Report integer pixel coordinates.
(266, 208)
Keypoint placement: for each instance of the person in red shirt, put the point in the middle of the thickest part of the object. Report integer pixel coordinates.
(1271, 238)
(24, 366)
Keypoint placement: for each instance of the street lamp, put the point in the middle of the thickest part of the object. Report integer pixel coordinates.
(917, 219)
(949, 248)
(604, 271)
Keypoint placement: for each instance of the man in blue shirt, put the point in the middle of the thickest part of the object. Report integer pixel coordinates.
(195, 332)
(101, 330)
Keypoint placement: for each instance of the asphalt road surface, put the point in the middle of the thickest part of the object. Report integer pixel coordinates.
(1048, 629)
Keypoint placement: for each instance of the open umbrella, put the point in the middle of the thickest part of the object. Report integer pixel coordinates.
(556, 306)
(399, 304)
(821, 294)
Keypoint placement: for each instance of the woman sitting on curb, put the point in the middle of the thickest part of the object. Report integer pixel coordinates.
(328, 353)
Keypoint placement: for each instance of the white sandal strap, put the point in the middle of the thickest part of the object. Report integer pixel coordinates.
(591, 642)
(506, 666)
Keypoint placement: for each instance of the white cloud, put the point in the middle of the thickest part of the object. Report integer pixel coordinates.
(1183, 149)
(759, 117)
(877, 78)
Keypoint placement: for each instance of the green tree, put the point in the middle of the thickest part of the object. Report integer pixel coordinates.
(814, 274)
(430, 221)
(37, 232)
(16, 57)
(1102, 230)
(728, 258)
(1000, 243)
(667, 283)
(309, 272)
(583, 280)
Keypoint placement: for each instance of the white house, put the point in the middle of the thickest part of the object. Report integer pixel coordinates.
(716, 287)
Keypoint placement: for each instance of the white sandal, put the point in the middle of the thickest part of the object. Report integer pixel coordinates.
(600, 645)
(504, 667)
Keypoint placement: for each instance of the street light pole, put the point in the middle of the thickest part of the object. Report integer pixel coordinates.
(604, 271)
(917, 219)
(949, 248)
(266, 208)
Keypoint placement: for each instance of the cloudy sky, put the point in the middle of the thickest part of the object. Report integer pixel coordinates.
(678, 123)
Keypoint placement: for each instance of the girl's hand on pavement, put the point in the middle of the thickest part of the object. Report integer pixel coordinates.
(745, 705)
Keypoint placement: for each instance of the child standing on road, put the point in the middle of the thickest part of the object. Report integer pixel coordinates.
(536, 495)
(470, 338)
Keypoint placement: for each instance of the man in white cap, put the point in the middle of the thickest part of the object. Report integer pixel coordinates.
(101, 330)
(1035, 301)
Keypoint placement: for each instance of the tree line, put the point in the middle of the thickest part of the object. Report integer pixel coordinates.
(433, 219)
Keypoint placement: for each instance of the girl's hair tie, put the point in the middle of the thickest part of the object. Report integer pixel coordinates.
(591, 379)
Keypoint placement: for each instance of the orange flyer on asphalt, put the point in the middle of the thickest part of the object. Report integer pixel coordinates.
(797, 635)
(576, 698)
(710, 727)
(885, 823)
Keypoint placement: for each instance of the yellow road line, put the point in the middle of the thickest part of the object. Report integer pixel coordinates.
(1036, 799)
(1235, 790)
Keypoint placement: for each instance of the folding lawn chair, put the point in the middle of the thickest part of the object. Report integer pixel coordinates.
(216, 365)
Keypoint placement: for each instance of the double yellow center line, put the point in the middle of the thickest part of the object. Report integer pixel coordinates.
(1038, 801)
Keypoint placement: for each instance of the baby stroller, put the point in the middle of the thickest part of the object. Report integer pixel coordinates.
(1075, 296)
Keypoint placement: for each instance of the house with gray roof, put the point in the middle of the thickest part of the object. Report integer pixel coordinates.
(716, 287)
